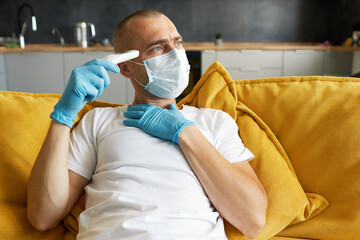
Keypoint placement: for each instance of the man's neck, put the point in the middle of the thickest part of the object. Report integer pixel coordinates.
(160, 102)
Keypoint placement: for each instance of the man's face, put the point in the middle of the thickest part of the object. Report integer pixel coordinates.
(153, 36)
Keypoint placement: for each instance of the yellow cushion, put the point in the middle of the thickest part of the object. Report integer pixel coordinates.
(317, 121)
(24, 120)
(288, 203)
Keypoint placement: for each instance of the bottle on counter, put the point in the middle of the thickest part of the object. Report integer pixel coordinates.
(356, 35)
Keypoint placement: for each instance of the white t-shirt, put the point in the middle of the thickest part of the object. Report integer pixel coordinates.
(142, 187)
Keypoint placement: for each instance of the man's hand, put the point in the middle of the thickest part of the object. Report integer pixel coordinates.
(86, 83)
(159, 122)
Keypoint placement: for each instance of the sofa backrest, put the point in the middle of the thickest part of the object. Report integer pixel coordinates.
(317, 121)
(304, 130)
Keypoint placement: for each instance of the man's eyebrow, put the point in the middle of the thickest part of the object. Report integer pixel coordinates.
(161, 41)
(178, 38)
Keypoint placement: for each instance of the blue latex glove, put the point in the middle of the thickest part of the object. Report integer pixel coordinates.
(86, 83)
(159, 122)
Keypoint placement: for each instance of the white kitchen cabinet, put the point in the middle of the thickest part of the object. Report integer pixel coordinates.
(245, 64)
(303, 62)
(2, 73)
(355, 63)
(120, 89)
(208, 57)
(35, 72)
(337, 63)
(249, 64)
(250, 59)
(252, 73)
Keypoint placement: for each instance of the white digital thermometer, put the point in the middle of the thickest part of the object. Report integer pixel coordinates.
(122, 57)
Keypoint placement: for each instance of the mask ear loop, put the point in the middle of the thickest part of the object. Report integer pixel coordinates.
(137, 63)
(139, 82)
(141, 64)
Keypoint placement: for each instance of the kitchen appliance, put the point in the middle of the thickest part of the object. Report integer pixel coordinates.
(82, 35)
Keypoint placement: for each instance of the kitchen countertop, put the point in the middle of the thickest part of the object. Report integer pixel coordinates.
(189, 46)
(200, 46)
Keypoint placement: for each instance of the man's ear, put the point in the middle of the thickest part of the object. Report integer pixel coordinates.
(124, 69)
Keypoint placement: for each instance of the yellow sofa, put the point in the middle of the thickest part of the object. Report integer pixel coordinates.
(304, 132)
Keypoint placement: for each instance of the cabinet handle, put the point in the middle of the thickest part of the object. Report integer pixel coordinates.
(249, 69)
(251, 51)
(305, 51)
(30, 54)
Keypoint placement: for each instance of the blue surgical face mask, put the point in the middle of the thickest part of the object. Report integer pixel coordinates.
(168, 74)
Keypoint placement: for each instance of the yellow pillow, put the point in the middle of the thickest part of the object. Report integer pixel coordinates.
(317, 121)
(24, 121)
(288, 203)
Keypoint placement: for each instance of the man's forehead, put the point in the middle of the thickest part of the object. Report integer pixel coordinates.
(147, 28)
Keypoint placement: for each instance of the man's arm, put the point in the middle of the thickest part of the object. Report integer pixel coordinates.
(234, 189)
(53, 189)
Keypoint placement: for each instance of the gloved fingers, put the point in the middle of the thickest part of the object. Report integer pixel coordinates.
(104, 63)
(89, 91)
(134, 114)
(99, 83)
(131, 122)
(84, 81)
(140, 107)
(172, 107)
(99, 72)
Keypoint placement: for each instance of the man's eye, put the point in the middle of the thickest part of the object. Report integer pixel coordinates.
(157, 49)
(179, 43)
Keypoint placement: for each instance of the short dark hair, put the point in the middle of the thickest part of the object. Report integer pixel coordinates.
(121, 36)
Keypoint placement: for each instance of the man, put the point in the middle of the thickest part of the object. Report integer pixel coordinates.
(151, 170)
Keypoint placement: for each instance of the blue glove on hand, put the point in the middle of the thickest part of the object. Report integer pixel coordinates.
(86, 83)
(159, 122)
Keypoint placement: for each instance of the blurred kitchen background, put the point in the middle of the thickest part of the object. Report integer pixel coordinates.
(260, 38)
(197, 20)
